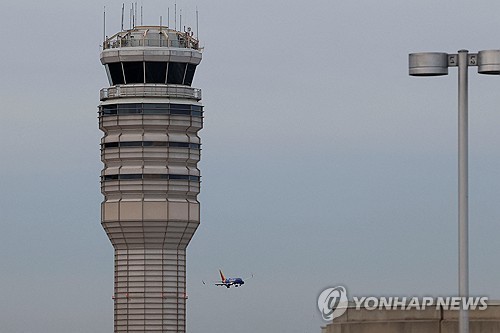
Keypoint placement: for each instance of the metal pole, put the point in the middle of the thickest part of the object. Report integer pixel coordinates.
(463, 187)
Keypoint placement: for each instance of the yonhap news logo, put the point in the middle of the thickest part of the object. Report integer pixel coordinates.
(333, 303)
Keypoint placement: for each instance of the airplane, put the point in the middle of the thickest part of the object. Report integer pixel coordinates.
(228, 282)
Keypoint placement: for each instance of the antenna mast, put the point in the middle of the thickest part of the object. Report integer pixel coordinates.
(133, 16)
(141, 15)
(175, 16)
(123, 13)
(180, 20)
(104, 26)
(159, 35)
(135, 21)
(168, 17)
(197, 32)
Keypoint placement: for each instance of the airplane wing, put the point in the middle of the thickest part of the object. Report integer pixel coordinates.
(204, 281)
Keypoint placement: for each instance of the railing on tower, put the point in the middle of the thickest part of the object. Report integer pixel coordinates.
(143, 37)
(144, 90)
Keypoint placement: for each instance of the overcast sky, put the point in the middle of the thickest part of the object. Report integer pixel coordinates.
(323, 162)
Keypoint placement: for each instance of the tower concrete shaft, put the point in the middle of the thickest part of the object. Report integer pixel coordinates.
(150, 116)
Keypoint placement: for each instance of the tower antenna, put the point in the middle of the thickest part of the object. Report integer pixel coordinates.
(104, 26)
(168, 17)
(197, 32)
(123, 13)
(130, 15)
(141, 15)
(180, 20)
(133, 16)
(175, 16)
(136, 17)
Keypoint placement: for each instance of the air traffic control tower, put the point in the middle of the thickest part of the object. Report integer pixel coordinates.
(150, 116)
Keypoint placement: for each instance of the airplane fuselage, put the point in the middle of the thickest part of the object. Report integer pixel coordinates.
(233, 282)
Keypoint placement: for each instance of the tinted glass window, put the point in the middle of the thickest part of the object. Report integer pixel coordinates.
(131, 144)
(151, 176)
(156, 72)
(176, 72)
(134, 72)
(186, 107)
(179, 177)
(154, 176)
(111, 145)
(108, 110)
(132, 176)
(130, 108)
(156, 143)
(152, 108)
(179, 144)
(115, 70)
(181, 109)
(188, 80)
(152, 144)
(156, 108)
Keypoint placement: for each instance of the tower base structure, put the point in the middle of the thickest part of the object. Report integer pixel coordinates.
(150, 290)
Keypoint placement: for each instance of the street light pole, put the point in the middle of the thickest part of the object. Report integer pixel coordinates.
(463, 186)
(435, 64)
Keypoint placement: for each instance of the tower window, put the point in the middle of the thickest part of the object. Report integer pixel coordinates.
(156, 72)
(131, 72)
(151, 108)
(134, 72)
(188, 80)
(116, 72)
(150, 176)
(171, 144)
(176, 72)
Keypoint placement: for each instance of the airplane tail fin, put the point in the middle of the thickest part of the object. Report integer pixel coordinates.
(223, 278)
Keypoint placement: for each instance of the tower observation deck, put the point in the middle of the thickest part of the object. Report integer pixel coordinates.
(150, 116)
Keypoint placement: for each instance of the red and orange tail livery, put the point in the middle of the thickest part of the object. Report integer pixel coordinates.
(223, 278)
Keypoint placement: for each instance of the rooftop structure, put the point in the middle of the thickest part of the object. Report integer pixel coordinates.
(430, 320)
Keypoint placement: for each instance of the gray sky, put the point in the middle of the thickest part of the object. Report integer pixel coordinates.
(323, 162)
